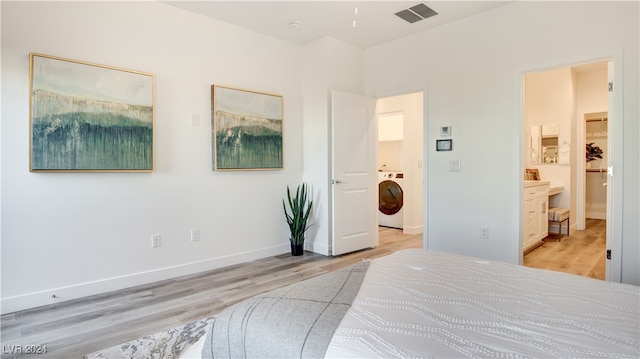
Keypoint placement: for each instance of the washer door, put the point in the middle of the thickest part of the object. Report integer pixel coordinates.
(389, 197)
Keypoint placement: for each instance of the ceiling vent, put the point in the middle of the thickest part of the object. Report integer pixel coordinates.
(416, 13)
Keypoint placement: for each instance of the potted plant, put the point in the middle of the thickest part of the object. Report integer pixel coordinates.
(297, 220)
(593, 152)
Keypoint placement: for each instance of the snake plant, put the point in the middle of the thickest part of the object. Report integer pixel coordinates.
(300, 210)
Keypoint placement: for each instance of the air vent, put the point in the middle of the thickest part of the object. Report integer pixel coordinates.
(416, 13)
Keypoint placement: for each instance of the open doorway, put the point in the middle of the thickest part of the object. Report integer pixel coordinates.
(354, 170)
(400, 161)
(566, 98)
(593, 199)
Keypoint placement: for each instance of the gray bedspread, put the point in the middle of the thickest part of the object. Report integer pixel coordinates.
(262, 326)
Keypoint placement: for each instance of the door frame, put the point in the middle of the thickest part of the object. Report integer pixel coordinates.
(613, 267)
(425, 149)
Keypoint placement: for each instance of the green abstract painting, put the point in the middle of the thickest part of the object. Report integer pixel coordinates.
(247, 129)
(90, 118)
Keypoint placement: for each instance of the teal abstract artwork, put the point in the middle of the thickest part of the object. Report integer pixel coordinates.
(91, 118)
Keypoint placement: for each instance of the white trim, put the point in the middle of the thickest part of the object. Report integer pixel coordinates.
(596, 215)
(615, 183)
(518, 255)
(63, 294)
(317, 246)
(412, 230)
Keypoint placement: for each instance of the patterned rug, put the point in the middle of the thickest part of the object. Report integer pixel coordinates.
(168, 344)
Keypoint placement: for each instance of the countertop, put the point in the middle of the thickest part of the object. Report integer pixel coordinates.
(535, 183)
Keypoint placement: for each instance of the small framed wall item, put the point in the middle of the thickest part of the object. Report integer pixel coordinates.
(445, 131)
(247, 129)
(444, 145)
(89, 118)
(532, 174)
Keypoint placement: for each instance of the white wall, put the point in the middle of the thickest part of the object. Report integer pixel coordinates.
(549, 98)
(328, 64)
(472, 68)
(73, 234)
(390, 156)
(591, 93)
(316, 135)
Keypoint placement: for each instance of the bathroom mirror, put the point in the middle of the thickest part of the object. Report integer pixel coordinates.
(544, 144)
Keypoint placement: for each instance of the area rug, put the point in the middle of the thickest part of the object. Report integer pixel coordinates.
(168, 344)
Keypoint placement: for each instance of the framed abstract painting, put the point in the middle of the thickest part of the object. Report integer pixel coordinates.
(86, 117)
(246, 129)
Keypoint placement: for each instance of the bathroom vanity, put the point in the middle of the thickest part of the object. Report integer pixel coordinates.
(536, 206)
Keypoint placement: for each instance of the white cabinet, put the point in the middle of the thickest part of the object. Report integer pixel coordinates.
(536, 205)
(391, 127)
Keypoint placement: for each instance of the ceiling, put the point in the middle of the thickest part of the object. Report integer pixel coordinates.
(375, 22)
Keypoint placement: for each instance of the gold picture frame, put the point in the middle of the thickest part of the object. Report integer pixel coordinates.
(247, 129)
(532, 174)
(86, 117)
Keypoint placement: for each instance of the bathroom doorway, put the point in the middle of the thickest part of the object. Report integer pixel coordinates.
(576, 99)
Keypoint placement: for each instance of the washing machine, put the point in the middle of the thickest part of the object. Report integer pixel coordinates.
(390, 199)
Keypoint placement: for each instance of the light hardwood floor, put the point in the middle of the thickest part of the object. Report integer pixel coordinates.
(79, 327)
(75, 328)
(582, 253)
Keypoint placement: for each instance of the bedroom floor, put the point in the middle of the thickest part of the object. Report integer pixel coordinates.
(582, 253)
(79, 327)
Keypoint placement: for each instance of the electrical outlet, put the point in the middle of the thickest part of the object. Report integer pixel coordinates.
(484, 232)
(195, 235)
(155, 240)
(455, 166)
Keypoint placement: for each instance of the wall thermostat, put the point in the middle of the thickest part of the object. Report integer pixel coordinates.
(444, 145)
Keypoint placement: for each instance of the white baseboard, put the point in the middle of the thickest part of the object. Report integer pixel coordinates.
(412, 230)
(63, 294)
(320, 248)
(595, 215)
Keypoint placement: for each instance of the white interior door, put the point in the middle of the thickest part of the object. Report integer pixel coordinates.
(354, 182)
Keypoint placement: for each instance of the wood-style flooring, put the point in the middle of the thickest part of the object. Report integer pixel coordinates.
(79, 327)
(582, 253)
(75, 328)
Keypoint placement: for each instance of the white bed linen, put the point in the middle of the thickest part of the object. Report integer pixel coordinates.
(418, 303)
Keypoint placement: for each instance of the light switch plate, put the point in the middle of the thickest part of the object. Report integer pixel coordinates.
(444, 145)
(194, 119)
(455, 166)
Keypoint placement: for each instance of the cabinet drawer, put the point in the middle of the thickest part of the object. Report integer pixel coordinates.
(535, 191)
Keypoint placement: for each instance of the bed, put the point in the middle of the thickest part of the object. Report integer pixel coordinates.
(419, 303)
